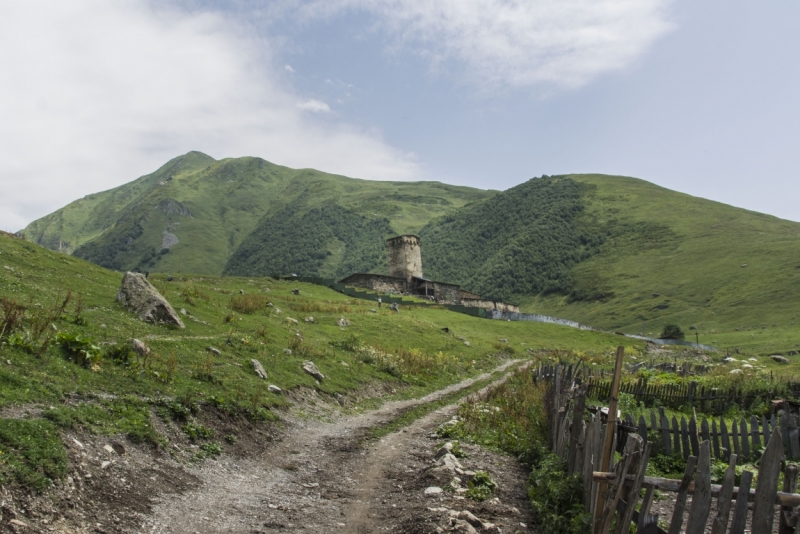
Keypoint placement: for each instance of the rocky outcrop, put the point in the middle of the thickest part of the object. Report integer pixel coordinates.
(138, 295)
(312, 369)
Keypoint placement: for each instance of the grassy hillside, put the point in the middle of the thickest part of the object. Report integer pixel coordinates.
(64, 347)
(201, 211)
(671, 257)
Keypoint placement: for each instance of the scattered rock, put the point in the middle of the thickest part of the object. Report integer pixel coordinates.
(259, 369)
(105, 465)
(295, 291)
(214, 351)
(139, 347)
(288, 352)
(744, 265)
(339, 398)
(308, 319)
(183, 311)
(17, 523)
(445, 449)
(138, 295)
(343, 322)
(692, 327)
(503, 340)
(291, 321)
(469, 517)
(274, 389)
(108, 448)
(736, 371)
(77, 443)
(241, 291)
(433, 490)
(310, 368)
(780, 359)
(467, 343)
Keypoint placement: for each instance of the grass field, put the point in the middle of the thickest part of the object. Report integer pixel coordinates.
(112, 391)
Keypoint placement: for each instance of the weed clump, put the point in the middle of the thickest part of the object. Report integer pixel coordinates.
(481, 486)
(247, 304)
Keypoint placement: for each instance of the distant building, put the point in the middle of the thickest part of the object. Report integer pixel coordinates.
(405, 278)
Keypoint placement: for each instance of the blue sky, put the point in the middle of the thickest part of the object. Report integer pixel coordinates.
(700, 97)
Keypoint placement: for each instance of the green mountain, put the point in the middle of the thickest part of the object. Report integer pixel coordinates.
(626, 255)
(614, 252)
(245, 216)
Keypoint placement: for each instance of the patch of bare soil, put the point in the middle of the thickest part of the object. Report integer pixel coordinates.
(305, 474)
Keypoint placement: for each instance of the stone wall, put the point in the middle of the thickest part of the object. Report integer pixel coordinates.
(446, 293)
(377, 282)
(405, 257)
(490, 305)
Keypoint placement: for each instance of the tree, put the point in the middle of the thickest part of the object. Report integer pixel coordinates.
(672, 331)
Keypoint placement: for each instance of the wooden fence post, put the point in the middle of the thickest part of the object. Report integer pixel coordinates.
(767, 485)
(611, 429)
(789, 486)
(680, 501)
(701, 499)
(724, 499)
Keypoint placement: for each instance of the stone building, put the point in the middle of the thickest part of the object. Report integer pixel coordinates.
(405, 278)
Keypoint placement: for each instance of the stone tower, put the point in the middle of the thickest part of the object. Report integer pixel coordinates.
(405, 259)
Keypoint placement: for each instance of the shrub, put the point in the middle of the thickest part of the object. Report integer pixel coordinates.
(672, 331)
(481, 486)
(79, 349)
(247, 303)
(31, 453)
(556, 498)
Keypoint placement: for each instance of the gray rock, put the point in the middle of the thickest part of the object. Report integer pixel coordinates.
(288, 352)
(450, 462)
(780, 359)
(183, 311)
(503, 341)
(343, 322)
(309, 319)
(295, 291)
(445, 449)
(138, 295)
(259, 369)
(433, 490)
(310, 368)
(274, 389)
(214, 351)
(139, 347)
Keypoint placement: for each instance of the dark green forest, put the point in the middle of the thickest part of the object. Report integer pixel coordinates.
(523, 241)
(300, 242)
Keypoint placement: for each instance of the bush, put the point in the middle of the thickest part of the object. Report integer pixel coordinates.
(247, 303)
(481, 487)
(31, 453)
(79, 349)
(556, 498)
(672, 331)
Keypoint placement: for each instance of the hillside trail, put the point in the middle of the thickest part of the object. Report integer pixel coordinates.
(325, 477)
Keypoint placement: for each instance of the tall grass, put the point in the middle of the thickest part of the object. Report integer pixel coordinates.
(248, 304)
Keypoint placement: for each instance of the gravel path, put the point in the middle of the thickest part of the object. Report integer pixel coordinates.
(327, 477)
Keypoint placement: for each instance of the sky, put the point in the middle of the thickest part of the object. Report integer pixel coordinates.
(699, 97)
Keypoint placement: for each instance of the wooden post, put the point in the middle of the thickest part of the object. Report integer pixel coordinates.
(740, 511)
(789, 486)
(680, 501)
(720, 523)
(701, 499)
(767, 485)
(611, 430)
(577, 423)
(632, 495)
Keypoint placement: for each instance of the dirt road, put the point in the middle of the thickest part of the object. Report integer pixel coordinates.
(325, 477)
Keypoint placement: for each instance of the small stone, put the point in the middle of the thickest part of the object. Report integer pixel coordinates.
(139, 347)
(445, 449)
(105, 465)
(343, 363)
(433, 490)
(77, 443)
(17, 523)
(241, 291)
(291, 321)
(308, 320)
(183, 311)
(311, 368)
(779, 359)
(295, 291)
(467, 343)
(287, 352)
(343, 322)
(259, 369)
(108, 448)
(214, 351)
(103, 326)
(8, 362)
(503, 340)
(736, 372)
(274, 389)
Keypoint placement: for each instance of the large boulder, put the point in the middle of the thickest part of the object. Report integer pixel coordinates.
(139, 296)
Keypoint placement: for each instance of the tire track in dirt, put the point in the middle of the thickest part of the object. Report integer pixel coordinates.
(319, 477)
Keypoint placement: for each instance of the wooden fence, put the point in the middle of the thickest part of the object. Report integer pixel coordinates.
(612, 490)
(707, 400)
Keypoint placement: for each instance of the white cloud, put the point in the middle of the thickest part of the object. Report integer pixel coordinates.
(95, 93)
(316, 106)
(288, 68)
(518, 43)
